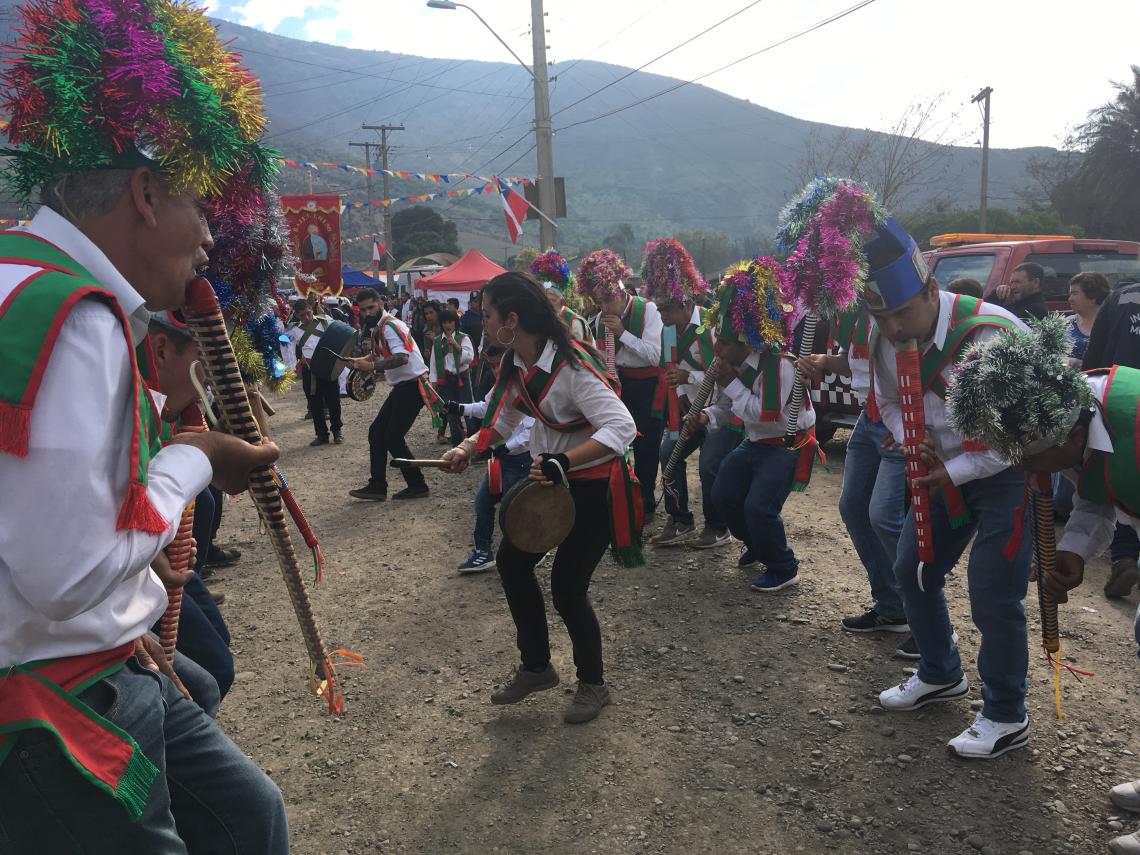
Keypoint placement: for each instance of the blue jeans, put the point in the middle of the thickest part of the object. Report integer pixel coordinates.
(208, 796)
(997, 590)
(750, 490)
(714, 447)
(873, 505)
(199, 682)
(515, 468)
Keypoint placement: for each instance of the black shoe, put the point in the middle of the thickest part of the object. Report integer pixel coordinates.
(908, 649)
(872, 621)
(374, 494)
(320, 440)
(308, 415)
(338, 438)
(412, 493)
(218, 557)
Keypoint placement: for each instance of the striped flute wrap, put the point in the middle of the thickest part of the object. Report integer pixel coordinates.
(914, 431)
(180, 551)
(796, 401)
(208, 328)
(700, 399)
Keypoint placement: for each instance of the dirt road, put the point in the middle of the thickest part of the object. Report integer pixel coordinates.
(741, 723)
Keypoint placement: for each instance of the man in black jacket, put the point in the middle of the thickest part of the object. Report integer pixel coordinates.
(1022, 295)
(1115, 340)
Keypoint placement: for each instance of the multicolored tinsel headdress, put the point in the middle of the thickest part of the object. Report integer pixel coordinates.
(669, 272)
(750, 307)
(601, 275)
(1016, 392)
(250, 255)
(553, 271)
(825, 229)
(95, 84)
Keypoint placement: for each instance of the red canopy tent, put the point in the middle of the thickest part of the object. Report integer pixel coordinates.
(470, 273)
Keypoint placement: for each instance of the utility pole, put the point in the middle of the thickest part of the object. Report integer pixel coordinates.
(384, 150)
(367, 146)
(543, 133)
(984, 97)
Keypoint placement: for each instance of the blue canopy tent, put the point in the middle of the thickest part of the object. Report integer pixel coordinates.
(354, 278)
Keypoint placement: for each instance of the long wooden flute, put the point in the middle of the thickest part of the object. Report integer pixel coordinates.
(700, 399)
(208, 328)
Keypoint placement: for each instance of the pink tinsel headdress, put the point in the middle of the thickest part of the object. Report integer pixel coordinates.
(669, 272)
(601, 275)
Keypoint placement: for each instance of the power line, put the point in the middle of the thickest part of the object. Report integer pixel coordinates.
(848, 11)
(590, 53)
(661, 56)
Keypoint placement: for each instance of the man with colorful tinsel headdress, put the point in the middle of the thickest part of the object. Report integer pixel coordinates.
(960, 492)
(823, 230)
(674, 284)
(553, 273)
(628, 332)
(1018, 395)
(126, 118)
(755, 380)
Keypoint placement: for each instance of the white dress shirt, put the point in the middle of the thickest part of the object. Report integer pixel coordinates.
(961, 466)
(574, 393)
(411, 369)
(747, 403)
(1091, 526)
(860, 368)
(319, 325)
(70, 583)
(696, 375)
(466, 354)
(519, 441)
(642, 351)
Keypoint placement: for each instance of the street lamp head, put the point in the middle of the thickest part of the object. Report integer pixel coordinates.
(441, 4)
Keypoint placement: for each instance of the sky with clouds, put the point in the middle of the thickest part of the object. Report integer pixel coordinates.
(1048, 61)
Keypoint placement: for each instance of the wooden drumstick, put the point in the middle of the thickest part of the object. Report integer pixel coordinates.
(421, 464)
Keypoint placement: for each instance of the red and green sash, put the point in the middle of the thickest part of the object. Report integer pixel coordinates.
(526, 395)
(30, 321)
(441, 349)
(633, 319)
(45, 695)
(771, 401)
(570, 317)
(430, 397)
(1114, 479)
(665, 401)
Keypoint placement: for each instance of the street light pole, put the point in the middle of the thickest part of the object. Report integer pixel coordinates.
(543, 132)
(984, 97)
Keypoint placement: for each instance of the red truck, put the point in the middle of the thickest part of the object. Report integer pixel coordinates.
(990, 258)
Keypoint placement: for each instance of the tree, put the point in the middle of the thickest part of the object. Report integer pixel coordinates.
(912, 156)
(1102, 192)
(712, 251)
(420, 230)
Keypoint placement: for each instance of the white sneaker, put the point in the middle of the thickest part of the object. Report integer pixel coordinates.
(985, 739)
(914, 693)
(1129, 844)
(1126, 796)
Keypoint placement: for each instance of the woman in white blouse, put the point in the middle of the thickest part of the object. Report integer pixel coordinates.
(581, 434)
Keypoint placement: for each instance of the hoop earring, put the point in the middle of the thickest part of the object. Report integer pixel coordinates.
(499, 338)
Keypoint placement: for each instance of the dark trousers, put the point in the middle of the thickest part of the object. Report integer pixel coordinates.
(1125, 543)
(324, 400)
(456, 387)
(387, 435)
(750, 490)
(637, 395)
(574, 565)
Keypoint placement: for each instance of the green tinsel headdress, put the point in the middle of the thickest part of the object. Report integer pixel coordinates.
(1016, 393)
(95, 84)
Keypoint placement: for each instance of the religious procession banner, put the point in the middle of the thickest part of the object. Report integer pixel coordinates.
(313, 223)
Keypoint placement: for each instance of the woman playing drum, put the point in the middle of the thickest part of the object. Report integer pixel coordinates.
(581, 434)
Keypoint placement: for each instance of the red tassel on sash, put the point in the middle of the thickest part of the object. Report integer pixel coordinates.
(15, 428)
(495, 476)
(138, 514)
